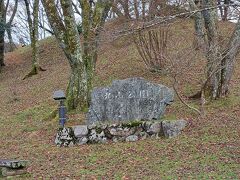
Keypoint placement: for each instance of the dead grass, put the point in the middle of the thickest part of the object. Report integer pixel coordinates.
(208, 149)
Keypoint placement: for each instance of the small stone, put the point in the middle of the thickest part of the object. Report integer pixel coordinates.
(92, 126)
(173, 128)
(122, 132)
(93, 136)
(103, 140)
(71, 144)
(104, 126)
(155, 128)
(64, 137)
(143, 135)
(80, 131)
(13, 172)
(115, 139)
(82, 140)
(132, 138)
(113, 131)
(126, 129)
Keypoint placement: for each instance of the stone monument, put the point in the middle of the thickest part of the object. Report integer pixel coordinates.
(129, 99)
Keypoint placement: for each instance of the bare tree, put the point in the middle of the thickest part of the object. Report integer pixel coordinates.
(220, 62)
(82, 63)
(5, 26)
(33, 23)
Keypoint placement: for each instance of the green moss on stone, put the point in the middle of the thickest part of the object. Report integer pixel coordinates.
(98, 130)
(132, 124)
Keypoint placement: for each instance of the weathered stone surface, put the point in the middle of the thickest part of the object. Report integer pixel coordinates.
(82, 140)
(173, 128)
(12, 167)
(65, 137)
(97, 137)
(155, 128)
(13, 172)
(129, 99)
(14, 164)
(132, 138)
(121, 131)
(80, 131)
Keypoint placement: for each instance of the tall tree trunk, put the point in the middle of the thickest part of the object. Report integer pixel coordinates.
(92, 21)
(225, 10)
(2, 32)
(115, 9)
(220, 8)
(33, 30)
(229, 58)
(220, 65)
(69, 40)
(11, 43)
(77, 90)
(214, 56)
(82, 63)
(143, 9)
(200, 40)
(136, 9)
(35, 44)
(77, 87)
(125, 5)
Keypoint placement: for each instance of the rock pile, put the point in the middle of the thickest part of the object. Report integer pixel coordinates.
(127, 131)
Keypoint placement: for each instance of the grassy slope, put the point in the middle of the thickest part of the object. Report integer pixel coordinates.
(208, 148)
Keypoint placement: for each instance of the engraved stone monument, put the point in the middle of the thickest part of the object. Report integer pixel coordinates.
(129, 99)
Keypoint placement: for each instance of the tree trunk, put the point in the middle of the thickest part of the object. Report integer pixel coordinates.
(125, 5)
(214, 56)
(115, 9)
(220, 65)
(225, 10)
(2, 32)
(136, 9)
(11, 44)
(77, 88)
(229, 58)
(200, 40)
(33, 30)
(34, 43)
(69, 40)
(143, 9)
(92, 24)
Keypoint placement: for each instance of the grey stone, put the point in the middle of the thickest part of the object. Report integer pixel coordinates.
(115, 139)
(93, 136)
(173, 128)
(80, 131)
(129, 99)
(82, 140)
(132, 138)
(97, 137)
(155, 128)
(143, 135)
(103, 140)
(65, 137)
(5, 172)
(122, 132)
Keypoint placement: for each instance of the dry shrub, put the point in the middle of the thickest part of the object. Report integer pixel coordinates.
(152, 47)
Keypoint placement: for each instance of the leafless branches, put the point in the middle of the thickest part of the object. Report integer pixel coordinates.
(151, 46)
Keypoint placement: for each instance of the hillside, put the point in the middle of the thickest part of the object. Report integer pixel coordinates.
(208, 148)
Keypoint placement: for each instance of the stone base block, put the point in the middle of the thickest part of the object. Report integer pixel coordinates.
(13, 172)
